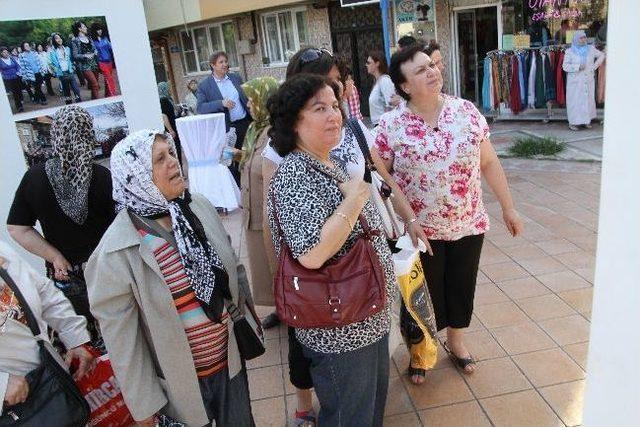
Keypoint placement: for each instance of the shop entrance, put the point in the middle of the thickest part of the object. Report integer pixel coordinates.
(355, 31)
(476, 32)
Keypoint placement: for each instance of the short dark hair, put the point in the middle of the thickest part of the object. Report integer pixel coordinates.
(400, 57)
(322, 64)
(75, 27)
(23, 43)
(431, 47)
(406, 41)
(285, 106)
(53, 40)
(93, 30)
(215, 55)
(379, 57)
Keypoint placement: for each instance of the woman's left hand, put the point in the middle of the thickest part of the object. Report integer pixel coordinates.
(417, 232)
(86, 361)
(513, 222)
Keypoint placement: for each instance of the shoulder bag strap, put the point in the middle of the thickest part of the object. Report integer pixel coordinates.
(31, 318)
(369, 166)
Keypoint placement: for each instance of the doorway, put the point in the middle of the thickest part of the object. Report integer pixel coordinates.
(355, 31)
(476, 32)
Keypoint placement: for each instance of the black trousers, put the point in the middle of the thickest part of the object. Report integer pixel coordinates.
(241, 127)
(37, 88)
(15, 87)
(299, 364)
(451, 277)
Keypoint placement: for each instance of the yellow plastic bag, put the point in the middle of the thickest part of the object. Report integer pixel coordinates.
(417, 318)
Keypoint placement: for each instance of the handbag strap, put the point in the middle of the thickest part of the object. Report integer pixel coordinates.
(369, 165)
(31, 318)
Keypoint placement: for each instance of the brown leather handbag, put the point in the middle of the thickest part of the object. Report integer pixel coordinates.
(342, 291)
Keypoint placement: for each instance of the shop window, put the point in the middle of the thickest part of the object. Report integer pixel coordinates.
(283, 34)
(199, 43)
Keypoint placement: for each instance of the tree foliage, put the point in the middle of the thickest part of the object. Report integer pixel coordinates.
(13, 33)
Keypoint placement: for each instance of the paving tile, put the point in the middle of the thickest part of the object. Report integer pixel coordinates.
(578, 353)
(269, 412)
(482, 345)
(491, 255)
(504, 271)
(467, 414)
(482, 278)
(528, 251)
(500, 314)
(567, 400)
(265, 382)
(580, 299)
(405, 420)
(547, 367)
(545, 307)
(567, 330)
(475, 325)
(563, 281)
(587, 274)
(578, 259)
(522, 409)
(545, 265)
(557, 246)
(497, 376)
(523, 288)
(489, 293)
(522, 338)
(271, 356)
(442, 387)
(398, 401)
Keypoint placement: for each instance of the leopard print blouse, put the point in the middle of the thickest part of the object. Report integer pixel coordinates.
(304, 198)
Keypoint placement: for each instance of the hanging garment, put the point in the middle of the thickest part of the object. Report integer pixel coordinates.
(549, 79)
(560, 92)
(540, 95)
(602, 72)
(486, 85)
(581, 101)
(521, 79)
(505, 78)
(526, 71)
(532, 80)
(495, 74)
(514, 101)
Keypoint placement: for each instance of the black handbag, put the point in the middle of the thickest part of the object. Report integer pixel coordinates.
(54, 399)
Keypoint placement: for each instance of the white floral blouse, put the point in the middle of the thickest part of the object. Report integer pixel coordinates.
(438, 169)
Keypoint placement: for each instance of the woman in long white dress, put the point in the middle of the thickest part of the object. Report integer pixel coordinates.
(580, 62)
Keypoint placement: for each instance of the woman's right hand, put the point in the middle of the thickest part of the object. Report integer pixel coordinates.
(17, 390)
(355, 188)
(61, 267)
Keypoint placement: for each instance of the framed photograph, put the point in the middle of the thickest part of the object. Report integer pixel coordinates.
(48, 63)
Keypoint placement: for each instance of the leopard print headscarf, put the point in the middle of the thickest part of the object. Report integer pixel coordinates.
(70, 170)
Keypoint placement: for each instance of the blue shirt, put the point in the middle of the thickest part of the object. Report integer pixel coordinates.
(103, 46)
(32, 61)
(229, 91)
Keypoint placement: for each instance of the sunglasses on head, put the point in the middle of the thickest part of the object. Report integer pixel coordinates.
(312, 55)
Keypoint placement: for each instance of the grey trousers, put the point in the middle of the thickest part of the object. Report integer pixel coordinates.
(227, 401)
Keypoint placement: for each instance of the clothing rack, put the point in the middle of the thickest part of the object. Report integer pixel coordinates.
(551, 111)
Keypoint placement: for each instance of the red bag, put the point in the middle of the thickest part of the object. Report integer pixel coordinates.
(101, 390)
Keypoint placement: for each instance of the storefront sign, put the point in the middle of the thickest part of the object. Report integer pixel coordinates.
(507, 41)
(408, 11)
(543, 10)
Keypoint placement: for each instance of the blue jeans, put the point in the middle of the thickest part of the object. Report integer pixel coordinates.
(352, 386)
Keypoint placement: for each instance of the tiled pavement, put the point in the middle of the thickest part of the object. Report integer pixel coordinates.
(530, 329)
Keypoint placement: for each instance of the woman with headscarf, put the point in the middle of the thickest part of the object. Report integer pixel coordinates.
(190, 98)
(261, 255)
(160, 284)
(70, 196)
(580, 62)
(169, 115)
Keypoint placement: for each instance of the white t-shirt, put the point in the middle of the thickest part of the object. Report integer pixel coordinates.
(347, 152)
(380, 97)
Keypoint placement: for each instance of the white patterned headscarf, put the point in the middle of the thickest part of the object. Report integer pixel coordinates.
(70, 170)
(134, 189)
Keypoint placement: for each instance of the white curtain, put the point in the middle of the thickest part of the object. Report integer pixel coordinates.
(203, 139)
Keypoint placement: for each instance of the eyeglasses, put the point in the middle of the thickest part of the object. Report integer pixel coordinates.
(312, 55)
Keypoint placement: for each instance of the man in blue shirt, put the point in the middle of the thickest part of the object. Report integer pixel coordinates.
(221, 92)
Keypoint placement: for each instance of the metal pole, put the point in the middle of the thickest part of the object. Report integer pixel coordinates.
(384, 9)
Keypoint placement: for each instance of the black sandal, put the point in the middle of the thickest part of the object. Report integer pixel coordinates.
(416, 371)
(460, 362)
